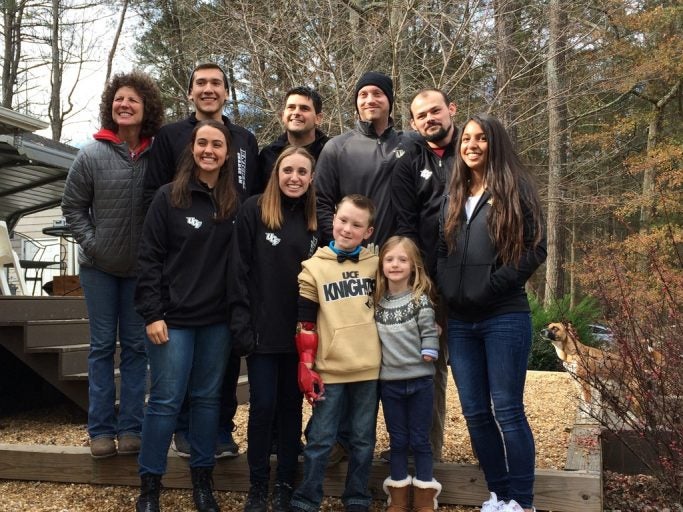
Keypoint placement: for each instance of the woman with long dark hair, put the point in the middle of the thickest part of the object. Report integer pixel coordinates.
(182, 296)
(491, 242)
(103, 205)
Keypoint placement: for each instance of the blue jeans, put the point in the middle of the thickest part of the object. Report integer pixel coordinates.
(273, 396)
(489, 363)
(362, 414)
(110, 310)
(193, 362)
(228, 401)
(407, 406)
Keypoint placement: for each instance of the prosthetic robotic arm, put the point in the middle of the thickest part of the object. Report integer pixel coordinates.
(310, 383)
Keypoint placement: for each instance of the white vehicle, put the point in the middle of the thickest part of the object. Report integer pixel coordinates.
(601, 333)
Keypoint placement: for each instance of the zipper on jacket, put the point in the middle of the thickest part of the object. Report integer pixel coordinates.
(463, 260)
(477, 209)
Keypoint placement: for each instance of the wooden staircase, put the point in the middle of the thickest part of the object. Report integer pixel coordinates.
(51, 336)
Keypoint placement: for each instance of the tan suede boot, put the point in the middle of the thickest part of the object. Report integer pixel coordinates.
(399, 494)
(424, 495)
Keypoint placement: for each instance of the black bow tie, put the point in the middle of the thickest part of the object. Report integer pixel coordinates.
(341, 258)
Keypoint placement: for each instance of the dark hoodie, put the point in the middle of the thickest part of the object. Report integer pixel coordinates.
(418, 184)
(263, 274)
(472, 279)
(183, 261)
(174, 138)
(271, 152)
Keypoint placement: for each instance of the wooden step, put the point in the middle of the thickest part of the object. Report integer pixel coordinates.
(72, 359)
(84, 376)
(22, 309)
(45, 365)
(45, 333)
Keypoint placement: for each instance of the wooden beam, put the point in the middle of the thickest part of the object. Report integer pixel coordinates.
(18, 309)
(463, 484)
(585, 449)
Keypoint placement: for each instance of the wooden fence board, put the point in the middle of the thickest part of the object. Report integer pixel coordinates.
(560, 491)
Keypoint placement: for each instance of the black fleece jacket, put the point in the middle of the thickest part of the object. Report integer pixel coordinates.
(418, 183)
(262, 278)
(174, 138)
(475, 284)
(183, 261)
(271, 152)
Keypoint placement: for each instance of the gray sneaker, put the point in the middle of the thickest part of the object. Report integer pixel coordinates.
(226, 445)
(180, 444)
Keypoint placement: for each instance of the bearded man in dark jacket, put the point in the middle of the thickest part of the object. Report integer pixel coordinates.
(419, 180)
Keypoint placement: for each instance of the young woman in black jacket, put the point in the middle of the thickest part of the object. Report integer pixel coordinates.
(491, 242)
(182, 295)
(274, 233)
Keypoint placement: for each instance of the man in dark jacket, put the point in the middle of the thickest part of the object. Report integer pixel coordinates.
(359, 161)
(301, 117)
(208, 90)
(420, 179)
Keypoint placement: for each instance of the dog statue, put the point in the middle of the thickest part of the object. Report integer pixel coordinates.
(584, 363)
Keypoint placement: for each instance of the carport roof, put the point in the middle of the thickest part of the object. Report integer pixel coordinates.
(33, 169)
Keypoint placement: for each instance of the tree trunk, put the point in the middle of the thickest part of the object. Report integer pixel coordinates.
(648, 209)
(505, 16)
(56, 120)
(114, 44)
(557, 154)
(13, 13)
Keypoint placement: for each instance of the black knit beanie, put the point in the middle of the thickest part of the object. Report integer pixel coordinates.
(380, 80)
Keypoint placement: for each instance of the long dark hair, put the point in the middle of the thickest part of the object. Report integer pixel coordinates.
(271, 200)
(224, 192)
(513, 192)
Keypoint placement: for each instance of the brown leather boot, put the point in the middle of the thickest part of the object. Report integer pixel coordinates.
(424, 495)
(399, 494)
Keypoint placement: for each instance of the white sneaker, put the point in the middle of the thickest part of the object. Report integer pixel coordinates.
(513, 506)
(493, 504)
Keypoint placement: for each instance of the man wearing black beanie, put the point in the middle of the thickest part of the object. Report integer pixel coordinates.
(360, 161)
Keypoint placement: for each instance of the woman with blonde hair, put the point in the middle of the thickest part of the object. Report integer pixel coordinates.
(274, 233)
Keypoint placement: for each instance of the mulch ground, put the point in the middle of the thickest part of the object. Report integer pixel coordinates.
(551, 408)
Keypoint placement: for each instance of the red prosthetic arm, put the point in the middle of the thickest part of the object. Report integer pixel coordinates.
(310, 383)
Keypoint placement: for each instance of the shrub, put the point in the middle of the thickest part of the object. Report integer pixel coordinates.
(639, 283)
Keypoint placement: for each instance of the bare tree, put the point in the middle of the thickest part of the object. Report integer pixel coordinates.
(69, 48)
(117, 35)
(557, 151)
(12, 31)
